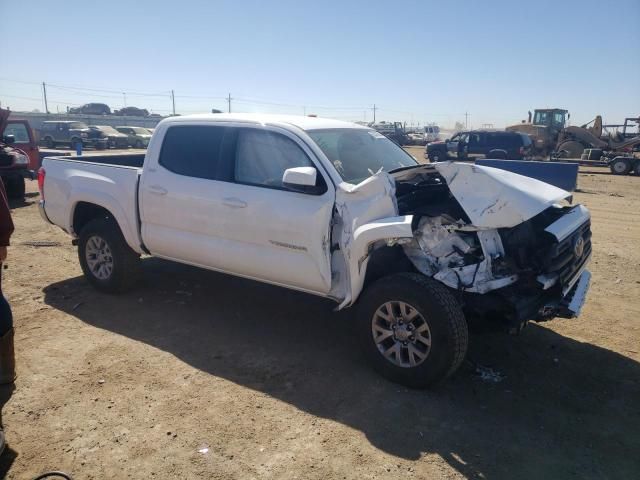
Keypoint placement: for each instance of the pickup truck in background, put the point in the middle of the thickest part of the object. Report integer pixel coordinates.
(25, 140)
(337, 210)
(14, 161)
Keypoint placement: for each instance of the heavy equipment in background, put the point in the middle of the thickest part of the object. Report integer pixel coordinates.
(550, 134)
(621, 131)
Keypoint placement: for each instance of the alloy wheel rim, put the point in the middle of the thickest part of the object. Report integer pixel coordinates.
(99, 257)
(401, 334)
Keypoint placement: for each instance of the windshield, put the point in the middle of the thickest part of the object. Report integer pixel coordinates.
(78, 126)
(140, 130)
(358, 153)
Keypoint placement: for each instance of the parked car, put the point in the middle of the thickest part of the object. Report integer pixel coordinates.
(69, 133)
(417, 138)
(115, 139)
(92, 109)
(14, 163)
(338, 210)
(481, 144)
(431, 133)
(24, 139)
(138, 136)
(132, 112)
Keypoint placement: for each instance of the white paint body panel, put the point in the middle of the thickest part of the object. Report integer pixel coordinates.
(112, 187)
(494, 198)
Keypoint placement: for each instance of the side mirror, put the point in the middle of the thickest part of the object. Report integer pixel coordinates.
(9, 139)
(302, 180)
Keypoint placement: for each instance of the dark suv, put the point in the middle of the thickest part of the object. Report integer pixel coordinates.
(92, 109)
(70, 133)
(481, 144)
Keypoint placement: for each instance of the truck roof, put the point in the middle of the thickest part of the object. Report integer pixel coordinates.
(302, 122)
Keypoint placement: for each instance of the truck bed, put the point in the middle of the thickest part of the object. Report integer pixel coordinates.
(110, 181)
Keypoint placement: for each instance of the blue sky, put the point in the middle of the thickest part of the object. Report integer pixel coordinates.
(418, 61)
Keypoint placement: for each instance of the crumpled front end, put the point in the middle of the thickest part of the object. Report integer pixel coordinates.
(501, 240)
(504, 242)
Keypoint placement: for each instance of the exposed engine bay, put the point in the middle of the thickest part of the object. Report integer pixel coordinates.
(445, 244)
(499, 263)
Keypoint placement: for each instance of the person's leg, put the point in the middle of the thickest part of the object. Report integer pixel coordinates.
(7, 359)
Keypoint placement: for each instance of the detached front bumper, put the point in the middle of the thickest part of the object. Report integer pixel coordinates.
(571, 305)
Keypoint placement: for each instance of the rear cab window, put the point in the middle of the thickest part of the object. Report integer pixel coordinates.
(192, 150)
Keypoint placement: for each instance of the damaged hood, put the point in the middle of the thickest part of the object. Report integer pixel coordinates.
(495, 198)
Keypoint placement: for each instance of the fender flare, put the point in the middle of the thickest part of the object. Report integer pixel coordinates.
(384, 229)
(110, 204)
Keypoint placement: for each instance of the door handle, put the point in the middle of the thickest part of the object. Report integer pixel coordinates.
(233, 202)
(158, 190)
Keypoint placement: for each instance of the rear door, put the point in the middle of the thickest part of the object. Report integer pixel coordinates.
(215, 199)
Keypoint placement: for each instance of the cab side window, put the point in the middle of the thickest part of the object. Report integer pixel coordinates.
(262, 157)
(192, 150)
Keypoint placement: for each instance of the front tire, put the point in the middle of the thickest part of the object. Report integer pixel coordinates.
(437, 156)
(412, 329)
(107, 262)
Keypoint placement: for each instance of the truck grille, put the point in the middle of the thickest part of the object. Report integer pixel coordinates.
(566, 258)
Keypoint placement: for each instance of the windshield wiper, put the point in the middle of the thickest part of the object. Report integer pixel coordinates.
(400, 169)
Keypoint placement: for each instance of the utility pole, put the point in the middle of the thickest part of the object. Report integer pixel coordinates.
(229, 102)
(374, 112)
(466, 119)
(44, 94)
(124, 96)
(173, 102)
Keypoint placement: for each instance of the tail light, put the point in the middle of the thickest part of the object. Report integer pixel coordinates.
(41, 174)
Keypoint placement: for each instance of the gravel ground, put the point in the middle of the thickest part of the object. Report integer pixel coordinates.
(201, 375)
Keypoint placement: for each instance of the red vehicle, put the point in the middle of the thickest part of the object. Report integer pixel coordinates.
(25, 140)
(14, 163)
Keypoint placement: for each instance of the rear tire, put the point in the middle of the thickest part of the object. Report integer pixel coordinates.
(395, 347)
(574, 149)
(107, 262)
(49, 143)
(620, 166)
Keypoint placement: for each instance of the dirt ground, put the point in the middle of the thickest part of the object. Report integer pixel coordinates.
(201, 375)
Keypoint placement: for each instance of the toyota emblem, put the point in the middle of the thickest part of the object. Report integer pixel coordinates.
(578, 247)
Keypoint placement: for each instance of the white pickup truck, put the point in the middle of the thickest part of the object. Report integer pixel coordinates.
(337, 210)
